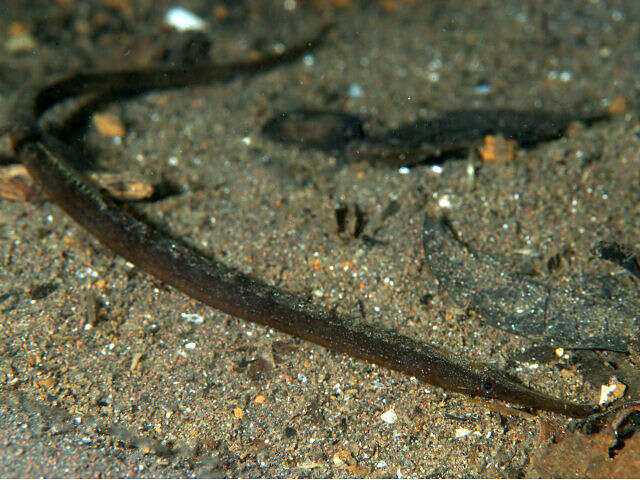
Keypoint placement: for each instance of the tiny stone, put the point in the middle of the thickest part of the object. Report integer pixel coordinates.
(193, 318)
(612, 391)
(183, 20)
(355, 91)
(20, 43)
(389, 416)
(108, 125)
(496, 149)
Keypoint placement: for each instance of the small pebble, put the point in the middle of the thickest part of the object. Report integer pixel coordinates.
(355, 91)
(611, 391)
(108, 125)
(390, 417)
(462, 432)
(617, 106)
(220, 12)
(120, 186)
(482, 89)
(565, 76)
(444, 201)
(20, 43)
(135, 361)
(496, 149)
(17, 185)
(183, 20)
(309, 465)
(193, 318)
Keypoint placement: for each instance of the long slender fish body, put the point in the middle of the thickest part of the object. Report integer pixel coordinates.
(213, 283)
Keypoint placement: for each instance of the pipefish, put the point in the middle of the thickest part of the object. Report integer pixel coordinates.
(46, 158)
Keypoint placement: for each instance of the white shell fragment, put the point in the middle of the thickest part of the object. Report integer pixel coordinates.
(389, 416)
(193, 318)
(183, 20)
(612, 391)
(462, 432)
